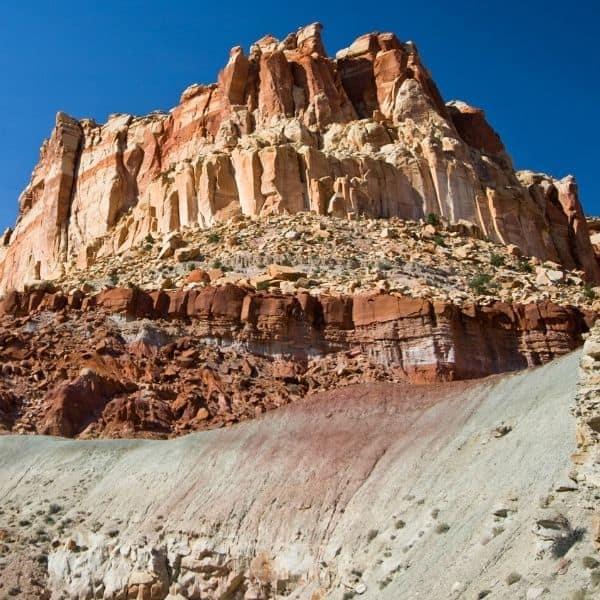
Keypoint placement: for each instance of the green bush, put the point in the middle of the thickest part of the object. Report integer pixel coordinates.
(497, 260)
(433, 219)
(524, 266)
(479, 284)
(214, 237)
(588, 292)
(438, 240)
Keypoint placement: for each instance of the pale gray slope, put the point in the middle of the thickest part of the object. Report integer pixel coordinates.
(389, 492)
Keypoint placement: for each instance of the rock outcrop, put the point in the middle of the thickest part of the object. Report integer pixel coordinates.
(286, 129)
(130, 363)
(587, 411)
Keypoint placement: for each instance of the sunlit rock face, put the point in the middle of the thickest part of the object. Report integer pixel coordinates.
(287, 129)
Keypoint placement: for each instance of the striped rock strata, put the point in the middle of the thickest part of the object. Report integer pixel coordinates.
(287, 129)
(128, 363)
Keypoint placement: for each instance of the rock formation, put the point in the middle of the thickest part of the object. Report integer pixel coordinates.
(287, 129)
(165, 363)
(370, 492)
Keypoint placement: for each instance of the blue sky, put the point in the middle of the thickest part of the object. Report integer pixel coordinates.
(532, 66)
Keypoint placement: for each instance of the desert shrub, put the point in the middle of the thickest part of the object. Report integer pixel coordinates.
(442, 528)
(563, 542)
(438, 240)
(433, 219)
(588, 291)
(214, 237)
(524, 266)
(496, 260)
(479, 284)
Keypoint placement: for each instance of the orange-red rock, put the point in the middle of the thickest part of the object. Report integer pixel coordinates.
(286, 129)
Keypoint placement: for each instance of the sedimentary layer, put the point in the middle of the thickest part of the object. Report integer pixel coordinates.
(287, 129)
(126, 362)
(380, 492)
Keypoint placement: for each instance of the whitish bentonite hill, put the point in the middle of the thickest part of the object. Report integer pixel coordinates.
(373, 340)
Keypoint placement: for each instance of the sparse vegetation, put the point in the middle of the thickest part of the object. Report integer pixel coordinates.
(149, 239)
(588, 292)
(438, 240)
(496, 260)
(563, 542)
(384, 265)
(480, 283)
(589, 562)
(524, 266)
(433, 219)
(214, 237)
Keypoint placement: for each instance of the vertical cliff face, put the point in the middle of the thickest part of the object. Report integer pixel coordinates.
(287, 129)
(40, 242)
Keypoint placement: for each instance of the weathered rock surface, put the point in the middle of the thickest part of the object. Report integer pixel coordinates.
(587, 411)
(126, 362)
(375, 491)
(287, 129)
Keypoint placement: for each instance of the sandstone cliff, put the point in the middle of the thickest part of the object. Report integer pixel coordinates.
(287, 129)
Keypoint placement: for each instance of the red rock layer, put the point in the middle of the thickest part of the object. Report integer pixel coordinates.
(220, 355)
(430, 341)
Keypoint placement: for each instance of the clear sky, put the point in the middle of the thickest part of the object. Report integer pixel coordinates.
(533, 66)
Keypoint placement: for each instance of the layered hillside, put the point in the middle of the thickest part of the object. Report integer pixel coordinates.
(287, 129)
(382, 491)
(325, 237)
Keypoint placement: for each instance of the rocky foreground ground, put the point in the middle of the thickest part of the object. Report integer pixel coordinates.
(429, 259)
(460, 490)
